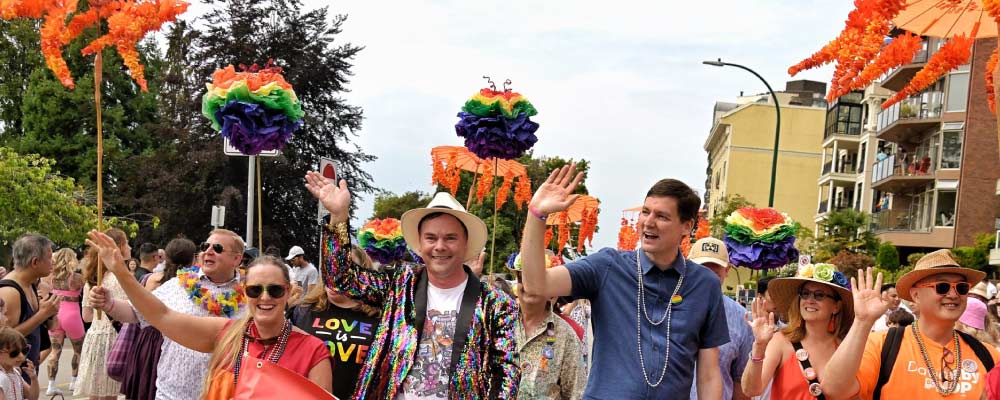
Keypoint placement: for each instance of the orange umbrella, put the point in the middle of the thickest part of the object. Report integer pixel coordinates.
(583, 210)
(628, 234)
(861, 56)
(448, 161)
(466, 160)
(575, 212)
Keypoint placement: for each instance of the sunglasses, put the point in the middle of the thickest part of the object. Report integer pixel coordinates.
(806, 294)
(275, 291)
(942, 288)
(16, 352)
(214, 246)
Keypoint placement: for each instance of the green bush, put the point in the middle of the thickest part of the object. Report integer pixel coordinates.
(972, 257)
(888, 257)
(912, 259)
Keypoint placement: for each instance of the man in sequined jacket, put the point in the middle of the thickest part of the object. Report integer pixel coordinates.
(443, 334)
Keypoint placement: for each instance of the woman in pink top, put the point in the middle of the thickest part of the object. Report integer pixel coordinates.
(68, 284)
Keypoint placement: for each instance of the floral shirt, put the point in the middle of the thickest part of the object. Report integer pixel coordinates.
(550, 371)
(487, 367)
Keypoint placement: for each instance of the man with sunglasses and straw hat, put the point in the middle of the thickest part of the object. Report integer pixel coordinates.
(443, 333)
(930, 359)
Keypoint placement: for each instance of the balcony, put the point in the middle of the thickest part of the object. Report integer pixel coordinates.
(824, 206)
(910, 116)
(911, 229)
(843, 173)
(893, 177)
(899, 77)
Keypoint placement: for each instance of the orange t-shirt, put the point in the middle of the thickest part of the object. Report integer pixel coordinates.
(910, 378)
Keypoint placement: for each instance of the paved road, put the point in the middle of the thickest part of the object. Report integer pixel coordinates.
(62, 380)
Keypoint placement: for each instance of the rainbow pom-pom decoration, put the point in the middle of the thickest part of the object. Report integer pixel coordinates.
(383, 240)
(760, 238)
(496, 124)
(256, 110)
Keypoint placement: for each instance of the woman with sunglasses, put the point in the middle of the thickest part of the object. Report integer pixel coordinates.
(263, 333)
(820, 310)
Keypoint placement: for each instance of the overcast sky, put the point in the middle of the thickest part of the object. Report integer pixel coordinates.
(618, 83)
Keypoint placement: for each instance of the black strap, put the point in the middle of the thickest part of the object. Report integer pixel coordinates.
(977, 347)
(470, 297)
(25, 306)
(890, 350)
(806, 365)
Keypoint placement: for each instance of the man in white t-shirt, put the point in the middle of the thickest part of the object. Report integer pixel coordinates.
(302, 272)
(443, 334)
(891, 298)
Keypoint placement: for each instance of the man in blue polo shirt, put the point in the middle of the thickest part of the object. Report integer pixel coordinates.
(640, 300)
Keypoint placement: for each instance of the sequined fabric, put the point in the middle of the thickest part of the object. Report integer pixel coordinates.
(487, 369)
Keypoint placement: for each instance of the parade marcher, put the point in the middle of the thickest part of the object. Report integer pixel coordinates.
(93, 379)
(263, 333)
(435, 314)
(820, 310)
(139, 380)
(303, 272)
(149, 257)
(25, 310)
(345, 325)
(550, 352)
(890, 296)
(733, 356)
(678, 315)
(927, 360)
(13, 354)
(211, 288)
(68, 285)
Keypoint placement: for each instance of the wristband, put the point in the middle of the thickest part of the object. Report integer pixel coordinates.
(754, 359)
(538, 214)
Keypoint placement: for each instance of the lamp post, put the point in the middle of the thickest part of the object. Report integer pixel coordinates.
(777, 126)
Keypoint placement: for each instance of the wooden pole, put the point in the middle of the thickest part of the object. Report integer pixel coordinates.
(100, 164)
(475, 177)
(493, 244)
(260, 211)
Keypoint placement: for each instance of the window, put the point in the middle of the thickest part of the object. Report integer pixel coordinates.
(958, 92)
(951, 149)
(945, 214)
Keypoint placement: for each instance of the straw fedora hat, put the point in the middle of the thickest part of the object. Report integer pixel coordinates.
(784, 291)
(938, 262)
(443, 202)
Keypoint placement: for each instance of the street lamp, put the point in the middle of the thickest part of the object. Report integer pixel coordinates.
(777, 126)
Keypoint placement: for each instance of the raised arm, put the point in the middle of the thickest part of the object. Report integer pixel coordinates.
(340, 272)
(840, 379)
(555, 195)
(764, 356)
(196, 333)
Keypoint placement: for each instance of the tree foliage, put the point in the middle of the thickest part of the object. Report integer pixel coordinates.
(727, 206)
(849, 262)
(888, 257)
(391, 205)
(845, 229)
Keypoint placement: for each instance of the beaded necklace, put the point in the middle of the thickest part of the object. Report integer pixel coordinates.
(641, 304)
(953, 384)
(225, 303)
(271, 354)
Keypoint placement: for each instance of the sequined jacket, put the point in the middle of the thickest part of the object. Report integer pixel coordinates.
(487, 367)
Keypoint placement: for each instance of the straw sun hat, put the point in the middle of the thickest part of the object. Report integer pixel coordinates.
(784, 291)
(938, 262)
(443, 202)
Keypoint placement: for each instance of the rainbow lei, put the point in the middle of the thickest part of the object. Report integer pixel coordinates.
(224, 303)
(383, 240)
(760, 238)
(256, 110)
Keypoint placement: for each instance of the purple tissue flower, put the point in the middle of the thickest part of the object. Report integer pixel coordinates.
(253, 128)
(497, 136)
(760, 255)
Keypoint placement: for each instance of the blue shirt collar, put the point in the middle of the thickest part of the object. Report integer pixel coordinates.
(679, 264)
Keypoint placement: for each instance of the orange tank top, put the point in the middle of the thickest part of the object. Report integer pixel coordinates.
(789, 383)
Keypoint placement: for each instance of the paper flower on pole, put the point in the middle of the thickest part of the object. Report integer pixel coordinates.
(383, 240)
(256, 110)
(128, 21)
(760, 238)
(496, 124)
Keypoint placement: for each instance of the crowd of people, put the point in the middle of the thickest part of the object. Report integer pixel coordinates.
(221, 321)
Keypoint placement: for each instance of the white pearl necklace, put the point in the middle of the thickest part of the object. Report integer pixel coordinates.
(641, 304)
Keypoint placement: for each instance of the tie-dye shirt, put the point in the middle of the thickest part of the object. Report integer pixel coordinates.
(486, 369)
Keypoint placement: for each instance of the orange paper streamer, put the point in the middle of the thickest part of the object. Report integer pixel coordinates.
(954, 53)
(991, 66)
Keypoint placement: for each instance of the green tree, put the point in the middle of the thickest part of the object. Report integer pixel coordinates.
(845, 230)
(728, 205)
(37, 199)
(972, 257)
(391, 205)
(849, 262)
(888, 257)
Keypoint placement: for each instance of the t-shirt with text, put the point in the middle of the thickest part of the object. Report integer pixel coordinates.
(428, 379)
(347, 334)
(910, 377)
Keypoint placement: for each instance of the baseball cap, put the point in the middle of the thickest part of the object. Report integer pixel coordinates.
(709, 251)
(295, 251)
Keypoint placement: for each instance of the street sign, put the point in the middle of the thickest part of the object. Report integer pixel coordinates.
(218, 216)
(231, 151)
(328, 168)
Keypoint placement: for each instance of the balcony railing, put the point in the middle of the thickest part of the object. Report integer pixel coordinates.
(891, 220)
(926, 105)
(889, 167)
(838, 204)
(842, 168)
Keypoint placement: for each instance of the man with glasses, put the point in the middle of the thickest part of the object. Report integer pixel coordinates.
(181, 371)
(930, 359)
